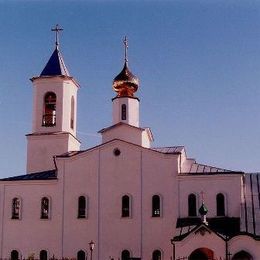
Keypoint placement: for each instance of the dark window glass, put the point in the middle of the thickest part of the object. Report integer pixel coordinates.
(81, 255)
(156, 206)
(192, 205)
(45, 204)
(82, 207)
(125, 206)
(123, 112)
(157, 255)
(72, 111)
(242, 255)
(49, 113)
(43, 255)
(14, 255)
(220, 205)
(16, 207)
(125, 255)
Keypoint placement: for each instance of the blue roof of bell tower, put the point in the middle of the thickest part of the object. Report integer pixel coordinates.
(55, 66)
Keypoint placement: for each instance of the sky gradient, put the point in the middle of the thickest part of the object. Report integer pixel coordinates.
(198, 63)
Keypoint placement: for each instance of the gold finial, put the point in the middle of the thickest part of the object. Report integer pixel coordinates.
(126, 47)
(57, 29)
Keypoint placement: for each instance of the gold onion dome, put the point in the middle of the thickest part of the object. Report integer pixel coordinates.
(125, 84)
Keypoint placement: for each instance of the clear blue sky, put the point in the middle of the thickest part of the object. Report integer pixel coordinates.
(198, 63)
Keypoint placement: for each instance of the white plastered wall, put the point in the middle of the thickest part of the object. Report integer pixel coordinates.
(132, 110)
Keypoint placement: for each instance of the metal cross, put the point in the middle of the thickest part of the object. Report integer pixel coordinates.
(229, 255)
(57, 29)
(202, 195)
(126, 47)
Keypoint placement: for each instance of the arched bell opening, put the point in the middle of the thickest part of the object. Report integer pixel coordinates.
(49, 110)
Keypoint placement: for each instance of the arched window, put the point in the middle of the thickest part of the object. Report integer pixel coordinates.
(82, 207)
(43, 255)
(192, 205)
(123, 112)
(16, 208)
(49, 111)
(156, 206)
(125, 206)
(45, 208)
(201, 254)
(125, 255)
(72, 112)
(157, 255)
(14, 255)
(81, 255)
(220, 204)
(242, 255)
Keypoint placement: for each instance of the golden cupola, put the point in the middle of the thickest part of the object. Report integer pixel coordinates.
(125, 84)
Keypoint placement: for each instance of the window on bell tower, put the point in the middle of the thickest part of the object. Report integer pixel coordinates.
(49, 111)
(72, 113)
(123, 112)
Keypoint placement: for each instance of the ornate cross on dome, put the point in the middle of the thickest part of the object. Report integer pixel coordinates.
(57, 29)
(126, 47)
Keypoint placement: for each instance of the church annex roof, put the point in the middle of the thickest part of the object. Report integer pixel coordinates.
(55, 66)
(45, 175)
(197, 168)
(222, 226)
(169, 150)
(164, 150)
(119, 124)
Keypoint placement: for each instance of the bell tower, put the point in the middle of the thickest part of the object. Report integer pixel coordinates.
(126, 110)
(54, 113)
(125, 104)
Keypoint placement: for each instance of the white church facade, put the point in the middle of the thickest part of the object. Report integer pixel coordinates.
(132, 200)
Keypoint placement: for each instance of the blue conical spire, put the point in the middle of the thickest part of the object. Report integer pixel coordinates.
(55, 66)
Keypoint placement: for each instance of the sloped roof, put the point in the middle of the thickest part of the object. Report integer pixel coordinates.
(55, 66)
(45, 175)
(250, 208)
(120, 124)
(164, 150)
(225, 227)
(169, 150)
(197, 168)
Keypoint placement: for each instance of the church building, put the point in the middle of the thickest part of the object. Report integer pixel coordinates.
(124, 198)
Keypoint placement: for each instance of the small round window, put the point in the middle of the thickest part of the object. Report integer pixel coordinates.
(117, 152)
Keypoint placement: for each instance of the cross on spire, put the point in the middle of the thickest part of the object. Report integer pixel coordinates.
(57, 29)
(126, 47)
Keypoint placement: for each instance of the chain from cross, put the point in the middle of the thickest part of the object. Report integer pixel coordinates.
(57, 29)
(126, 47)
